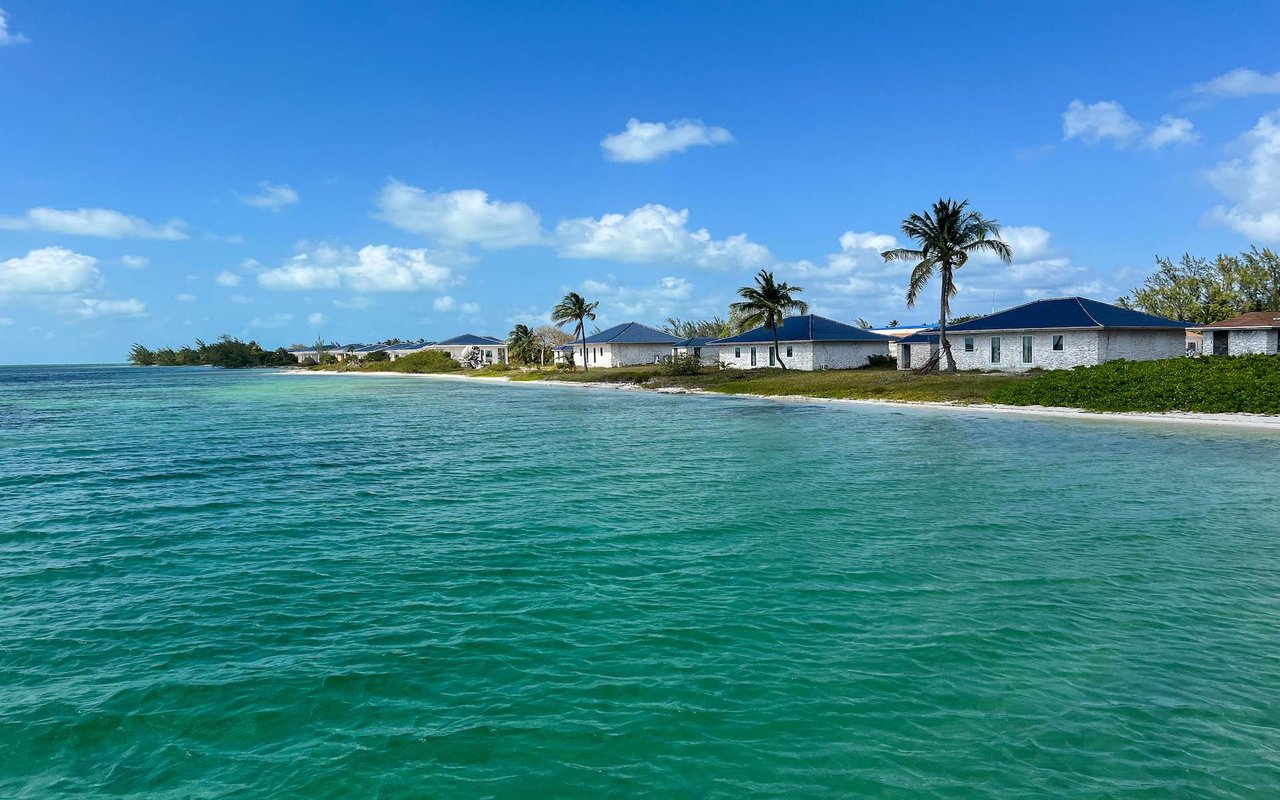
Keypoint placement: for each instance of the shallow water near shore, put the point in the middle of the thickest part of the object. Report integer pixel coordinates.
(241, 584)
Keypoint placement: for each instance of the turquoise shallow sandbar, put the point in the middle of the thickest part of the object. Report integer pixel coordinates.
(242, 584)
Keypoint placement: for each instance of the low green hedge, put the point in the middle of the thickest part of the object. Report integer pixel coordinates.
(1215, 384)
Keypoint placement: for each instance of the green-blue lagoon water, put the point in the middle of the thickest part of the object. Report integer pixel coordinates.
(250, 585)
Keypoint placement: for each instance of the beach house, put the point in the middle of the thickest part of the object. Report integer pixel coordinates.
(700, 346)
(1056, 333)
(1255, 332)
(807, 342)
(493, 350)
(622, 345)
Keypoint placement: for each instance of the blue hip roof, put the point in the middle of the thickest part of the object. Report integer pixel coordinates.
(806, 328)
(632, 333)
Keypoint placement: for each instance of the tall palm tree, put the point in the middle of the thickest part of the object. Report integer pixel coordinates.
(521, 345)
(575, 308)
(767, 304)
(947, 236)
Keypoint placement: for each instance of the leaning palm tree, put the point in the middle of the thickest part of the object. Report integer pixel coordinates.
(520, 344)
(767, 304)
(946, 236)
(575, 308)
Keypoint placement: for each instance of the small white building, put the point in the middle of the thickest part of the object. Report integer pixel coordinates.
(1057, 333)
(493, 350)
(398, 351)
(1255, 332)
(807, 342)
(700, 346)
(622, 345)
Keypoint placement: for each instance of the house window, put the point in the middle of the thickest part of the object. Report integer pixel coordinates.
(488, 354)
(995, 349)
(771, 354)
(737, 352)
(697, 352)
(753, 356)
(1058, 343)
(788, 351)
(968, 344)
(1028, 351)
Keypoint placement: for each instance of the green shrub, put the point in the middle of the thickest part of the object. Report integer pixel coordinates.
(681, 365)
(425, 361)
(376, 356)
(1218, 384)
(877, 361)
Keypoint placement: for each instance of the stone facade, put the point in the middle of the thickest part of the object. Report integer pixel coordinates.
(708, 354)
(1078, 348)
(806, 356)
(493, 353)
(623, 355)
(1242, 342)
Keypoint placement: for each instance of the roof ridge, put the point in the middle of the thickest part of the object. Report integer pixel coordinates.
(1080, 302)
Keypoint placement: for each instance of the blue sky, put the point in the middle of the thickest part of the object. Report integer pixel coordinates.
(358, 171)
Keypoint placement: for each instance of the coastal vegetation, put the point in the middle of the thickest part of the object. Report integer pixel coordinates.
(1202, 291)
(766, 304)
(575, 308)
(227, 352)
(422, 362)
(946, 236)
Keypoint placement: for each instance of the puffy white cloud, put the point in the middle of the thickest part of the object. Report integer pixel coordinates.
(7, 37)
(668, 297)
(102, 222)
(859, 252)
(271, 196)
(1108, 120)
(464, 216)
(650, 141)
(49, 270)
(185, 298)
(93, 308)
(444, 303)
(372, 268)
(227, 278)
(1171, 130)
(655, 234)
(135, 262)
(1252, 183)
(1238, 83)
(273, 321)
(316, 319)
(469, 309)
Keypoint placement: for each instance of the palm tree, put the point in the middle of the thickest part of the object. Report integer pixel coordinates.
(575, 308)
(767, 303)
(520, 344)
(946, 236)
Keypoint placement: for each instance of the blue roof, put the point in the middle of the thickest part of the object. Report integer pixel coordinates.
(696, 341)
(632, 333)
(1055, 314)
(471, 339)
(807, 328)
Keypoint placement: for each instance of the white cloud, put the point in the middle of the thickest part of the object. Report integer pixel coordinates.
(444, 303)
(668, 297)
(271, 196)
(49, 270)
(1171, 130)
(7, 38)
(470, 309)
(1252, 183)
(227, 278)
(859, 252)
(316, 319)
(650, 141)
(1238, 83)
(135, 262)
(655, 234)
(5, 322)
(464, 216)
(93, 308)
(102, 222)
(185, 298)
(1108, 120)
(372, 268)
(273, 321)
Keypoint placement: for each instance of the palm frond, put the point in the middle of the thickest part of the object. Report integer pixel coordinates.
(903, 254)
(919, 279)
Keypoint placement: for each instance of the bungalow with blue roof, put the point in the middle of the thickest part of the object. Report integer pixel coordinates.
(807, 342)
(492, 350)
(622, 345)
(397, 351)
(1056, 333)
(700, 346)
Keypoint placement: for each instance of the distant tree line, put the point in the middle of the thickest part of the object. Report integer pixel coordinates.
(1199, 290)
(228, 352)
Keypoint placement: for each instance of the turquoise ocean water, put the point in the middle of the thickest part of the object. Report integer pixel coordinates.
(241, 584)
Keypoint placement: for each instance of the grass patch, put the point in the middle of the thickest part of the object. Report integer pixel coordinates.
(1213, 385)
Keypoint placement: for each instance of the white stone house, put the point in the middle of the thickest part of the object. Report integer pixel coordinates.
(398, 351)
(807, 342)
(493, 349)
(1057, 333)
(622, 345)
(700, 346)
(1255, 332)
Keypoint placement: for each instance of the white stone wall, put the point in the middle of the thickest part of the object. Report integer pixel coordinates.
(1243, 343)
(1080, 348)
(499, 352)
(622, 355)
(805, 356)
(707, 354)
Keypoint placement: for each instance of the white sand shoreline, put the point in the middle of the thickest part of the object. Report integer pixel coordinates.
(1256, 422)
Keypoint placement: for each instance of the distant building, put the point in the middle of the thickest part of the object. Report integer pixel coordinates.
(1255, 332)
(1058, 333)
(807, 342)
(493, 350)
(622, 345)
(700, 346)
(897, 332)
(398, 351)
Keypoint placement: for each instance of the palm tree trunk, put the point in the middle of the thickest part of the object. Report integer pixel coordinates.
(777, 351)
(942, 323)
(582, 326)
